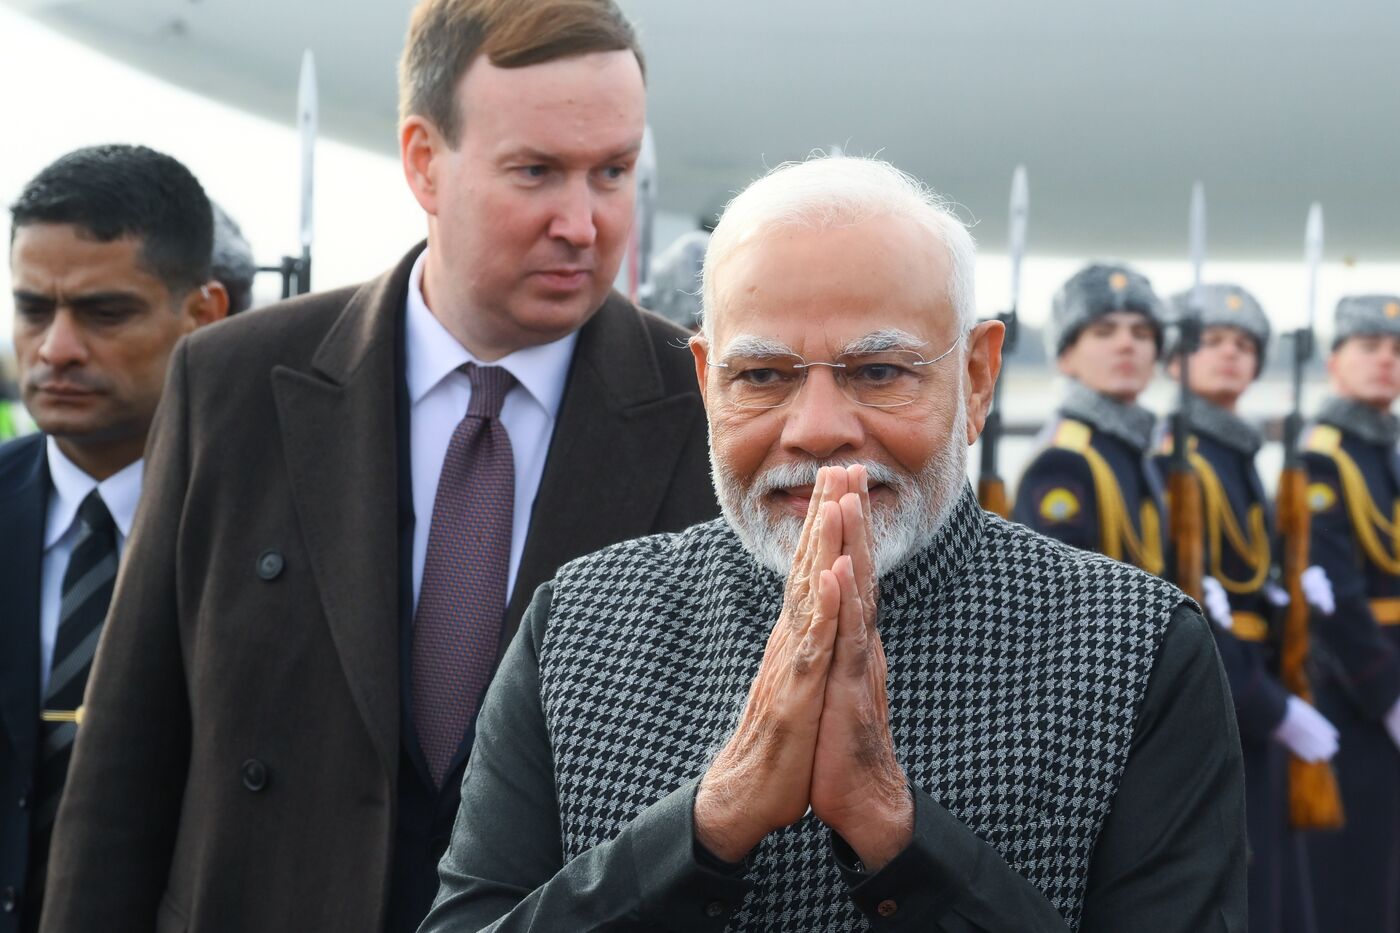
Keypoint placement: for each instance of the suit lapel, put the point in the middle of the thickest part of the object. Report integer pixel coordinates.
(22, 515)
(338, 429)
(612, 455)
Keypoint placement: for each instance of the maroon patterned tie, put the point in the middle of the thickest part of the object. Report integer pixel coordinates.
(462, 600)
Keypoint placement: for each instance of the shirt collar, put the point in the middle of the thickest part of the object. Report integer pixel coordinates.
(433, 354)
(120, 493)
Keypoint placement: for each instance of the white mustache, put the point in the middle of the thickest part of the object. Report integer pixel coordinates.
(787, 475)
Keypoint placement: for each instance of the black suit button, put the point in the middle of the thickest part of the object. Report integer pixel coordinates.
(254, 775)
(9, 900)
(714, 909)
(24, 801)
(271, 564)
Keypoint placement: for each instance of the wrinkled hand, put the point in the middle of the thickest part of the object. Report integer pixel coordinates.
(1306, 732)
(1317, 590)
(859, 789)
(761, 780)
(1217, 604)
(815, 730)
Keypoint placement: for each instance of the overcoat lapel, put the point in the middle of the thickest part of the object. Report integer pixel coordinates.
(22, 510)
(338, 429)
(613, 453)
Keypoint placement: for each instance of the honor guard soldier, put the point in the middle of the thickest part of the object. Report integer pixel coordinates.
(1243, 598)
(1354, 497)
(1092, 485)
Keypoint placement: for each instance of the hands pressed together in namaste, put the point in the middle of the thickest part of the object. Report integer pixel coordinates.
(815, 731)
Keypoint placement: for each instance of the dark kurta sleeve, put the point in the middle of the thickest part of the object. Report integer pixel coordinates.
(505, 870)
(1170, 859)
(1367, 662)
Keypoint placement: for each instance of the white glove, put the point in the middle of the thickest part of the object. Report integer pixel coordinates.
(1276, 595)
(1217, 603)
(1307, 733)
(1317, 589)
(1392, 723)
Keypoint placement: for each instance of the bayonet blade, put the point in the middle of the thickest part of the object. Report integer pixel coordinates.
(308, 118)
(1198, 242)
(1020, 213)
(1312, 256)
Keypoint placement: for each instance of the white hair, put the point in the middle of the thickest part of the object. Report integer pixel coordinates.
(838, 191)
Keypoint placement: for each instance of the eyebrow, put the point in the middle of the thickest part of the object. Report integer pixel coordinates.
(79, 301)
(531, 154)
(757, 347)
(882, 341)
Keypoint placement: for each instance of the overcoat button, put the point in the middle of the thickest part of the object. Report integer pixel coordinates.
(887, 908)
(714, 909)
(270, 564)
(254, 775)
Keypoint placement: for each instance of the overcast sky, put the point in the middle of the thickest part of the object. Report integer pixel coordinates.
(59, 95)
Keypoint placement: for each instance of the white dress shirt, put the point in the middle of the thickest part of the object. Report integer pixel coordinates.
(438, 396)
(70, 486)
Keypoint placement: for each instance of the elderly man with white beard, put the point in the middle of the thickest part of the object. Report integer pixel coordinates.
(856, 701)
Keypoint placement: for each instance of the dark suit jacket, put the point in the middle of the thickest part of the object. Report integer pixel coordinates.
(242, 765)
(24, 493)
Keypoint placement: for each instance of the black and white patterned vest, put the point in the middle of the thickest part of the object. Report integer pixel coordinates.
(1016, 668)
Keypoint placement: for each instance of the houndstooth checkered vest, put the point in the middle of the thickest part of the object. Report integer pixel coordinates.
(1016, 666)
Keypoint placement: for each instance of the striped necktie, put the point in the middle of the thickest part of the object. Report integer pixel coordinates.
(87, 591)
(462, 599)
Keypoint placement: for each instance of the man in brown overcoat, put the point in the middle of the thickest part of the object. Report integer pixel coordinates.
(350, 499)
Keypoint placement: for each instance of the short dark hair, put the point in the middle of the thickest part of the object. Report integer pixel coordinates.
(116, 191)
(446, 36)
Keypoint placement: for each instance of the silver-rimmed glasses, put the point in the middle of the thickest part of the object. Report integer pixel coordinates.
(882, 379)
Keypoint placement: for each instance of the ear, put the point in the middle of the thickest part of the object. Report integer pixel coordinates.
(983, 367)
(700, 350)
(205, 305)
(1064, 363)
(1332, 367)
(420, 145)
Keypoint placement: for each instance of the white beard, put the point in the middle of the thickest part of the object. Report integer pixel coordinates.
(922, 503)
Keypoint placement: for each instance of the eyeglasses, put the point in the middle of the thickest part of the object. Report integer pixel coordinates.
(886, 379)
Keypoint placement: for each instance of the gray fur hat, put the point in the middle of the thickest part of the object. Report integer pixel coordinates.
(1366, 315)
(1098, 289)
(1226, 305)
(232, 264)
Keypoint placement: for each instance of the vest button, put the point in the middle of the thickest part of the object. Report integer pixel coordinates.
(887, 908)
(271, 564)
(714, 909)
(254, 775)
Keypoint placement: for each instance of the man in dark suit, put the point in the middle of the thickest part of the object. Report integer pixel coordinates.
(354, 496)
(110, 262)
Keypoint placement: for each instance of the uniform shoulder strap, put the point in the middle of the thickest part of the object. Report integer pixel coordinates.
(1072, 435)
(1323, 439)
